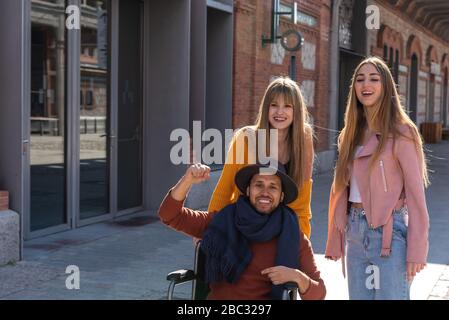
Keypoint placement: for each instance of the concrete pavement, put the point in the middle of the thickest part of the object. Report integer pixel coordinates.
(129, 259)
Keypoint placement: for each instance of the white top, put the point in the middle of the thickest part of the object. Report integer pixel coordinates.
(354, 193)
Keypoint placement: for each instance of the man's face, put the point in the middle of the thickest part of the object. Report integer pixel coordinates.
(265, 192)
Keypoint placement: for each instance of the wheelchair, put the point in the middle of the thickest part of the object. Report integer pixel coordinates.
(200, 289)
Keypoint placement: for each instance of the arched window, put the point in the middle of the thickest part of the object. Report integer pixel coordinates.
(396, 67)
(445, 97)
(413, 88)
(390, 59)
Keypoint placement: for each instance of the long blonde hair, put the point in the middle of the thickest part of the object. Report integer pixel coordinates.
(299, 128)
(387, 116)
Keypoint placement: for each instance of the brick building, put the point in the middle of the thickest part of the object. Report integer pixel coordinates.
(255, 63)
(412, 37)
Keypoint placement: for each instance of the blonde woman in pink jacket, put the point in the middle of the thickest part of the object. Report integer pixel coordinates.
(378, 219)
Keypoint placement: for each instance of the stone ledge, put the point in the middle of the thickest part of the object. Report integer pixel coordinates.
(9, 237)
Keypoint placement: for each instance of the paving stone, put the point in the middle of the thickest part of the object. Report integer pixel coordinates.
(440, 291)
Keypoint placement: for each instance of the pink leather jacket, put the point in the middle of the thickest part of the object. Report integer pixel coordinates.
(396, 173)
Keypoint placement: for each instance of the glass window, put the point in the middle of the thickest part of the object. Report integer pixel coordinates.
(48, 108)
(94, 112)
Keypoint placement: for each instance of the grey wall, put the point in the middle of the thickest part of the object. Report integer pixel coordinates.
(211, 66)
(219, 70)
(12, 88)
(333, 77)
(198, 62)
(12, 99)
(166, 91)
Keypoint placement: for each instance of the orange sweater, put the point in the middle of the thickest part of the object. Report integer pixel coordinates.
(226, 192)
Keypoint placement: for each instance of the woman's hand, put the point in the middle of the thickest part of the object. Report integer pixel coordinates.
(413, 269)
(333, 258)
(281, 274)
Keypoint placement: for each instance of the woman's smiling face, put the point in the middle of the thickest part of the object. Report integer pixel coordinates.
(368, 85)
(280, 114)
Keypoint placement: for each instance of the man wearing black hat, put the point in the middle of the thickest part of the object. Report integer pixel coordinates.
(253, 246)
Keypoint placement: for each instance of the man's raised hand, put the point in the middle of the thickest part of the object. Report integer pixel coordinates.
(197, 173)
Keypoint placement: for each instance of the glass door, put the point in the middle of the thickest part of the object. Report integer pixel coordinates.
(129, 146)
(80, 173)
(94, 110)
(48, 143)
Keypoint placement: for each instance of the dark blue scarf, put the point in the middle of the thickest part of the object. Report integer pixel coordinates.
(226, 241)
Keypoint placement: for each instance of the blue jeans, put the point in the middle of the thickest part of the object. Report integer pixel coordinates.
(370, 276)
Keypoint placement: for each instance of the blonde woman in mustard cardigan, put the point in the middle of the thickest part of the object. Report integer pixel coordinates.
(378, 217)
(282, 108)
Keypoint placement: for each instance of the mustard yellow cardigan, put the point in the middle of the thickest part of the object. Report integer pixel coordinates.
(226, 192)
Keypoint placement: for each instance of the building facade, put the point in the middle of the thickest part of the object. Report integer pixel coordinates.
(91, 99)
(256, 63)
(411, 36)
(87, 113)
(410, 40)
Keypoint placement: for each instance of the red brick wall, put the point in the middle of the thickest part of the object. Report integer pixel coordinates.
(252, 62)
(4, 200)
(322, 110)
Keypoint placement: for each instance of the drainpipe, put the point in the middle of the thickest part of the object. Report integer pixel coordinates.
(334, 79)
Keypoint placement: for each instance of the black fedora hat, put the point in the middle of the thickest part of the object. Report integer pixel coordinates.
(289, 187)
